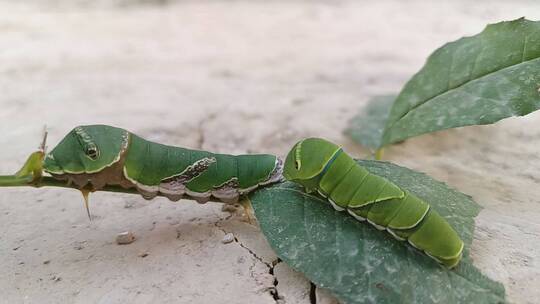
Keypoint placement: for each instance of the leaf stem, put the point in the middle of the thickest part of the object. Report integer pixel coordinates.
(48, 181)
(379, 154)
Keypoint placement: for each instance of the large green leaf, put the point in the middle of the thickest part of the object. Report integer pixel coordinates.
(474, 80)
(360, 264)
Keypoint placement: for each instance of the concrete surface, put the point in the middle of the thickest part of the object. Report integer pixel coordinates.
(234, 77)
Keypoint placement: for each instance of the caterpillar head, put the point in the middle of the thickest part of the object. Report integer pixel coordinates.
(87, 149)
(307, 160)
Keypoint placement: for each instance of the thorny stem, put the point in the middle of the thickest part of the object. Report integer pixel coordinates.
(48, 181)
(13, 180)
(31, 174)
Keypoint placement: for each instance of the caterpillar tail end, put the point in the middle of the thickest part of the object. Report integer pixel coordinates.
(453, 261)
(450, 264)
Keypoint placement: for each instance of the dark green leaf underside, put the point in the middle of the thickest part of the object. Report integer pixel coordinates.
(368, 126)
(363, 265)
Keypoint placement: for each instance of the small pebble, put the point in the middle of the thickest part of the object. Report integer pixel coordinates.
(56, 279)
(227, 238)
(124, 238)
(46, 262)
(143, 254)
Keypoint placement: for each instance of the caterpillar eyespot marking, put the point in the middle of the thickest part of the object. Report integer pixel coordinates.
(101, 155)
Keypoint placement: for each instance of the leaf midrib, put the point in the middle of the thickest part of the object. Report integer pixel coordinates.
(485, 289)
(463, 84)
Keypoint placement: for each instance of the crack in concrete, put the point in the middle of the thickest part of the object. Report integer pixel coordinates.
(312, 293)
(273, 291)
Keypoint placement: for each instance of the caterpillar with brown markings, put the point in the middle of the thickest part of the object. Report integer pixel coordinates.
(98, 155)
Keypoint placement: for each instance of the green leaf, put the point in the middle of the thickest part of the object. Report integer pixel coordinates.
(475, 80)
(368, 126)
(360, 264)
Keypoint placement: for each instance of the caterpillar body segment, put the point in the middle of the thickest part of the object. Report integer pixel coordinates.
(368, 197)
(99, 155)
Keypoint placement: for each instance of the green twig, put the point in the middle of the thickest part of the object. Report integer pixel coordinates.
(13, 180)
(48, 181)
(30, 175)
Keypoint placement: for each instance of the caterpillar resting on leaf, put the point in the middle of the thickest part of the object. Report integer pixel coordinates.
(322, 166)
(95, 156)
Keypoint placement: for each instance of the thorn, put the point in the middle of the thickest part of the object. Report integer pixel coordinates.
(85, 193)
(42, 146)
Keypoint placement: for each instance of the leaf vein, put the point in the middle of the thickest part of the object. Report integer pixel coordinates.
(452, 90)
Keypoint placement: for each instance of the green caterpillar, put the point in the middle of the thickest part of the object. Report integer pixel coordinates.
(95, 156)
(322, 166)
